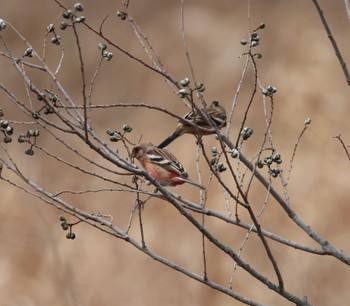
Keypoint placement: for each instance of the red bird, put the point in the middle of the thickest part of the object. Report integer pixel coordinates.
(215, 112)
(162, 165)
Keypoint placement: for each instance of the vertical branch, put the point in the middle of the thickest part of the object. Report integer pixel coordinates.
(295, 150)
(200, 176)
(140, 206)
(205, 276)
(203, 197)
(235, 99)
(184, 39)
(92, 83)
(333, 41)
(82, 70)
(347, 7)
(128, 227)
(268, 120)
(251, 56)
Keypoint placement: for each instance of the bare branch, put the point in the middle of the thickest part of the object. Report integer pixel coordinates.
(343, 145)
(347, 8)
(333, 41)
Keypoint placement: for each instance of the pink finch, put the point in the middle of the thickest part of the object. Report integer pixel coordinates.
(161, 165)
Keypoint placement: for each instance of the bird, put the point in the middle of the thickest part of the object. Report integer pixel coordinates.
(216, 113)
(161, 165)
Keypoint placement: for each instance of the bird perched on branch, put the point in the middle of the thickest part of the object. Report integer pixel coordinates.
(162, 165)
(215, 112)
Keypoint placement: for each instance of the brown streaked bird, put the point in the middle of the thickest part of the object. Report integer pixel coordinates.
(216, 113)
(162, 165)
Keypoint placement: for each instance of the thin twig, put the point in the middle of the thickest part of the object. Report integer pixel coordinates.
(83, 85)
(235, 99)
(205, 269)
(139, 208)
(344, 146)
(87, 106)
(333, 41)
(306, 123)
(347, 8)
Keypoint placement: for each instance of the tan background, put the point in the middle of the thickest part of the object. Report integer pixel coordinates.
(38, 266)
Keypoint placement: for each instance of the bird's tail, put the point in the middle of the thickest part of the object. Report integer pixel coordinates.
(193, 183)
(170, 139)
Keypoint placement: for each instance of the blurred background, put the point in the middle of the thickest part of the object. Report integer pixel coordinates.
(39, 266)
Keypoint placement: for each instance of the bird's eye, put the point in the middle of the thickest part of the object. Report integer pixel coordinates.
(135, 151)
